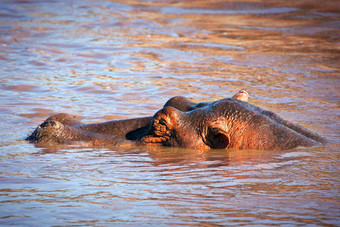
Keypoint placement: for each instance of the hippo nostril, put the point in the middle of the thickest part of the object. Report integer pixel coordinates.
(45, 124)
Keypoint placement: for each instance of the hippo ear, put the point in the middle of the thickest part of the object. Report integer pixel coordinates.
(216, 138)
(242, 95)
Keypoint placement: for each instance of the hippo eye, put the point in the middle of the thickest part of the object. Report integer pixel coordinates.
(216, 138)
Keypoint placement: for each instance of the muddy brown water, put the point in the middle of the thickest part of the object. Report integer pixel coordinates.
(105, 60)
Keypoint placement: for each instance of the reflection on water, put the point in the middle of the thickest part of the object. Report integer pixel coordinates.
(104, 60)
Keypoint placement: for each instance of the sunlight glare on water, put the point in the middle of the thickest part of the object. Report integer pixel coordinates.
(106, 60)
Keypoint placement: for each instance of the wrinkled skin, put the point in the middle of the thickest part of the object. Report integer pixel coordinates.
(226, 123)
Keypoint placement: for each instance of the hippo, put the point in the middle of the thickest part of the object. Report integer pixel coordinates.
(222, 124)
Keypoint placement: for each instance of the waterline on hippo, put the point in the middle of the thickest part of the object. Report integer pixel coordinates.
(226, 123)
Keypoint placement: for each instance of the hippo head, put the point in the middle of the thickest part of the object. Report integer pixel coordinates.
(205, 126)
(227, 123)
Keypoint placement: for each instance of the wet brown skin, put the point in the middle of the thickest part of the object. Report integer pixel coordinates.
(227, 123)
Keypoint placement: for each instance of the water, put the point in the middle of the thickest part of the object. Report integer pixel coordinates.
(103, 60)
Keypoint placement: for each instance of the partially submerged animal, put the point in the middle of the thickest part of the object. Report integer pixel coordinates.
(226, 123)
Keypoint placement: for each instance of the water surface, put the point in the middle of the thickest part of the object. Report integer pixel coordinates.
(105, 60)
